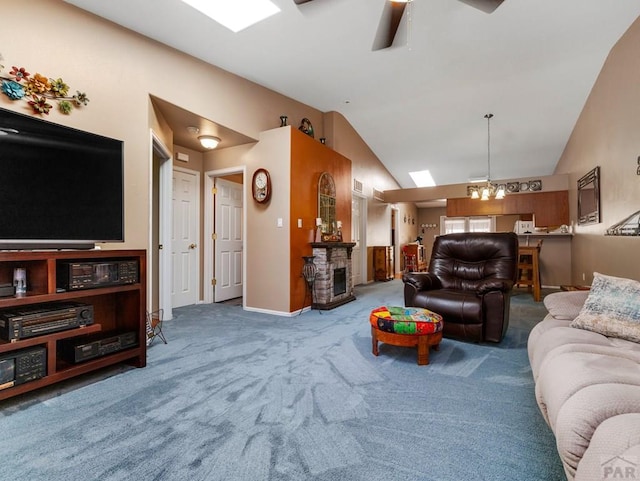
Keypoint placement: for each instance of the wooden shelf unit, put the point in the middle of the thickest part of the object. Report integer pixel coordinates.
(119, 308)
(383, 263)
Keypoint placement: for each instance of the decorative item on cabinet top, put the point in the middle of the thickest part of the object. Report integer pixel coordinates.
(535, 185)
(525, 186)
(513, 187)
(306, 127)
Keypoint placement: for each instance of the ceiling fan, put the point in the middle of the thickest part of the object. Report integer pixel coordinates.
(392, 15)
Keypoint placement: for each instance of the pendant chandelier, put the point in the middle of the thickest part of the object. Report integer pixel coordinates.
(489, 190)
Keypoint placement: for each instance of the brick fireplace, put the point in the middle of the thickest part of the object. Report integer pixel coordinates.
(334, 283)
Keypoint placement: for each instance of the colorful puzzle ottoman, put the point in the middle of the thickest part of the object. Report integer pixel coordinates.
(406, 327)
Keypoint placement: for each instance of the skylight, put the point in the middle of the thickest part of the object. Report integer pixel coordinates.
(422, 178)
(236, 15)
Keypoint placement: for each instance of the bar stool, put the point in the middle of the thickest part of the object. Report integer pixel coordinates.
(529, 268)
(410, 264)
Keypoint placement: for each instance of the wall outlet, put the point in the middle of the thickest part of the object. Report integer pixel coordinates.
(584, 276)
(279, 222)
(299, 223)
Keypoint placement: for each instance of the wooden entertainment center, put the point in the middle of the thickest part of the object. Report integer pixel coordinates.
(116, 309)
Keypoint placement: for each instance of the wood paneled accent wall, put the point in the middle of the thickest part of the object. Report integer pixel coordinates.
(309, 159)
(551, 209)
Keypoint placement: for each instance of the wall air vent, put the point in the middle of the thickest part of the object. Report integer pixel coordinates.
(357, 186)
(378, 195)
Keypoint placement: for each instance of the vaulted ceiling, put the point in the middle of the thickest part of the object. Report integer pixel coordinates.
(421, 103)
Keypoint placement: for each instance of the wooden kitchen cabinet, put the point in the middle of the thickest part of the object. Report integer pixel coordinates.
(551, 209)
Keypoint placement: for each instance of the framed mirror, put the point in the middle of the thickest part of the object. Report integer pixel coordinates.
(589, 197)
(327, 202)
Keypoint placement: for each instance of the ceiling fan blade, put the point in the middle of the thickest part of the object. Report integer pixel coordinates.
(300, 2)
(486, 6)
(388, 26)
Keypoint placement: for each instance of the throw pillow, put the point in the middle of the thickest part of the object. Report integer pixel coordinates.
(612, 308)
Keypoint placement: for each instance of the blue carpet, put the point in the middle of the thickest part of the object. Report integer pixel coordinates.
(241, 396)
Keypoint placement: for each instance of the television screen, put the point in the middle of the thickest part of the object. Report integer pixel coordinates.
(59, 187)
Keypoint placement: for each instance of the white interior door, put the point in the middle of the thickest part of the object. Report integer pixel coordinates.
(184, 238)
(228, 240)
(356, 236)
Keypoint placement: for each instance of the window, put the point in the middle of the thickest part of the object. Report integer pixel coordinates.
(451, 225)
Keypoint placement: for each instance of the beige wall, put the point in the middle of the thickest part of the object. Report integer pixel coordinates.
(119, 70)
(607, 134)
(430, 215)
(195, 162)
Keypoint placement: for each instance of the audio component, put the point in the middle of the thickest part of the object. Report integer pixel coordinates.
(92, 274)
(28, 321)
(83, 348)
(21, 366)
(7, 290)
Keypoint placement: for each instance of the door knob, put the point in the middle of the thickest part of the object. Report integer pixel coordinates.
(192, 246)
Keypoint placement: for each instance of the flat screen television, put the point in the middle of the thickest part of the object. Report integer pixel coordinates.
(60, 188)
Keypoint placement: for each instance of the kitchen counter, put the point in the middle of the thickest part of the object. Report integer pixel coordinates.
(555, 256)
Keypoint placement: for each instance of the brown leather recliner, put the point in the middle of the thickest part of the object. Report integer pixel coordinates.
(469, 283)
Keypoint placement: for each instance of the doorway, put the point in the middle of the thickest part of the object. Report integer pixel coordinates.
(358, 235)
(228, 240)
(184, 239)
(224, 263)
(395, 226)
(160, 219)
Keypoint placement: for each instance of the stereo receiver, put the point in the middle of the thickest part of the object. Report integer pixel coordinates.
(28, 321)
(92, 274)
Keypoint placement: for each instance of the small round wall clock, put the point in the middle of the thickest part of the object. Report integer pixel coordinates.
(261, 186)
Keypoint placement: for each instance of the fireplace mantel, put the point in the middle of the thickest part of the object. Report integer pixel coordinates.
(333, 263)
(348, 245)
(332, 246)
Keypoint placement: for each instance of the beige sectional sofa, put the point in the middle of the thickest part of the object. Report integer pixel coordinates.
(587, 383)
